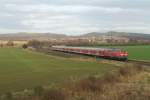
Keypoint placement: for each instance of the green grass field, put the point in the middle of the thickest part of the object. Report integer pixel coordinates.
(138, 52)
(20, 69)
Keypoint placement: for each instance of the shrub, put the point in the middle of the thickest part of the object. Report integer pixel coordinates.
(8, 96)
(54, 94)
(89, 84)
(34, 44)
(130, 70)
(10, 43)
(38, 90)
(24, 46)
(111, 77)
(139, 67)
(125, 71)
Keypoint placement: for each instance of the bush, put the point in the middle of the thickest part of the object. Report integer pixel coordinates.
(54, 94)
(24, 46)
(8, 96)
(125, 71)
(38, 90)
(130, 70)
(34, 44)
(90, 84)
(111, 77)
(10, 43)
(139, 67)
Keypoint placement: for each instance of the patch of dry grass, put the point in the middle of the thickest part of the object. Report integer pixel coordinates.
(128, 83)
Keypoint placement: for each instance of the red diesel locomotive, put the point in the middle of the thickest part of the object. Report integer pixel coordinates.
(116, 54)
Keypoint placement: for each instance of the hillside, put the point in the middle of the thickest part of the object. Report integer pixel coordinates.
(30, 36)
(45, 36)
(119, 34)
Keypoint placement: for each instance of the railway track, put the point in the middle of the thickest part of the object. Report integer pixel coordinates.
(146, 63)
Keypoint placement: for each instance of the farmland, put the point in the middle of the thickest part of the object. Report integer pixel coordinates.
(20, 69)
(138, 52)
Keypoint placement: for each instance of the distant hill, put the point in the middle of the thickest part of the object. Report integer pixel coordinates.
(119, 34)
(30, 36)
(46, 36)
(93, 34)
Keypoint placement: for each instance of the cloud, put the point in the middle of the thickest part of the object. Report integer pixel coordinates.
(65, 8)
(74, 16)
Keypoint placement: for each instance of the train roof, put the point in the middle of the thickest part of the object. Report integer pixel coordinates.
(88, 48)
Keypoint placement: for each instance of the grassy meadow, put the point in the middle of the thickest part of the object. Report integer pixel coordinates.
(138, 52)
(20, 69)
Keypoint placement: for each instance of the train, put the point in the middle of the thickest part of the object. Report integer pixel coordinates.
(108, 53)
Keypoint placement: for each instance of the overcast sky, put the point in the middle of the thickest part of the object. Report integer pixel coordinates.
(74, 17)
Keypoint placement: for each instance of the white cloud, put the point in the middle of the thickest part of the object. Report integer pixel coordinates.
(78, 16)
(66, 8)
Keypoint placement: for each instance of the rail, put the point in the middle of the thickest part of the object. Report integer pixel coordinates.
(139, 62)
